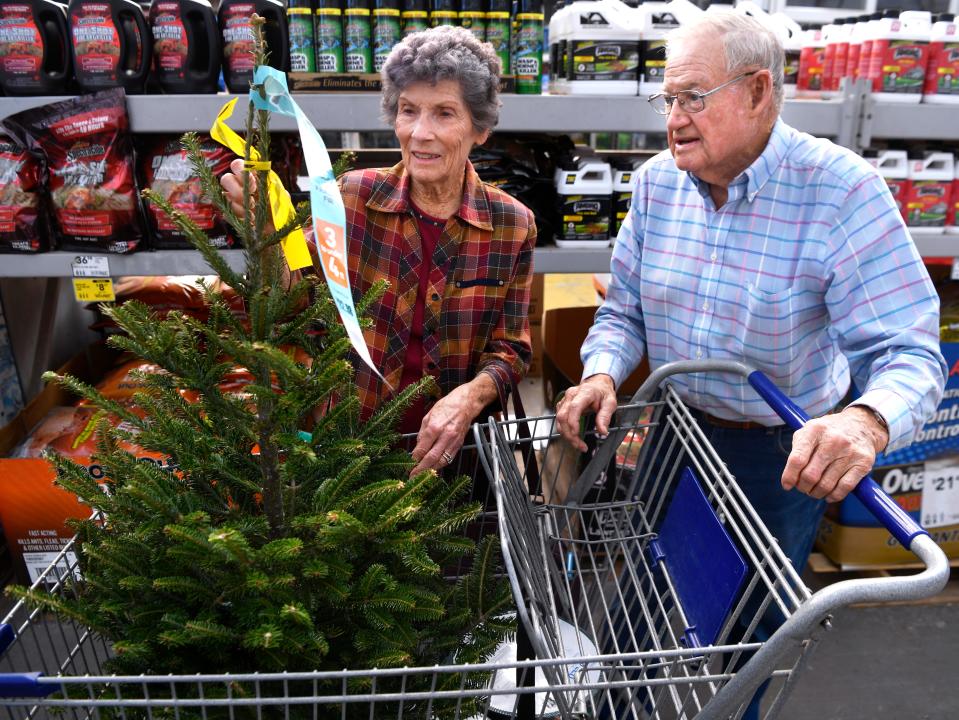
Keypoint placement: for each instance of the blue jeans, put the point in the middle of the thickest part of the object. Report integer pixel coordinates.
(757, 458)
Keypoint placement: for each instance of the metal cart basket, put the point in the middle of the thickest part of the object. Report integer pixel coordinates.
(656, 563)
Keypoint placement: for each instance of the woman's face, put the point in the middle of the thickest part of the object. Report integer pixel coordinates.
(436, 132)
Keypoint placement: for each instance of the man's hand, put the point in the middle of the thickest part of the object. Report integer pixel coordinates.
(831, 454)
(597, 393)
(232, 184)
(445, 425)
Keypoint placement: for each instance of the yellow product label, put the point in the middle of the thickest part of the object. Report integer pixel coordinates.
(391, 12)
(529, 16)
(620, 216)
(357, 11)
(415, 13)
(93, 290)
(655, 63)
(627, 177)
(891, 68)
(498, 15)
(583, 58)
(299, 11)
(472, 14)
(329, 11)
(914, 205)
(572, 218)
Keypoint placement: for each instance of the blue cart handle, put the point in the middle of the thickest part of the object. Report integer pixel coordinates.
(884, 509)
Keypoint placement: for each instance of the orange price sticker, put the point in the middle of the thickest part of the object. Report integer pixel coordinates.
(332, 247)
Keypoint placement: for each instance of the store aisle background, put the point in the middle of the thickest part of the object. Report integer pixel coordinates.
(892, 662)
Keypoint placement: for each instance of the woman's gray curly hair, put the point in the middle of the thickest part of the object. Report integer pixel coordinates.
(445, 53)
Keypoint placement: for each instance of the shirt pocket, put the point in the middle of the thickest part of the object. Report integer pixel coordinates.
(770, 333)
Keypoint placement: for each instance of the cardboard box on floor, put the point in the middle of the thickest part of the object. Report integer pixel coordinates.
(564, 330)
(537, 296)
(33, 510)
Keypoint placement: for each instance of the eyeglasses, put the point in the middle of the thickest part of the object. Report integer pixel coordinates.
(691, 101)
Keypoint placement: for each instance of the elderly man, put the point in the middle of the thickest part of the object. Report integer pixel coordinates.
(751, 241)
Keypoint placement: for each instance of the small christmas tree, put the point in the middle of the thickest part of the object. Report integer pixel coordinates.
(255, 549)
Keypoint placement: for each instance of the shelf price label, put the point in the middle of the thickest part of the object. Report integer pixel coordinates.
(940, 493)
(91, 266)
(93, 290)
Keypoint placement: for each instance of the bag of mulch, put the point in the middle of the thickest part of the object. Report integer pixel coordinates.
(86, 146)
(20, 185)
(167, 171)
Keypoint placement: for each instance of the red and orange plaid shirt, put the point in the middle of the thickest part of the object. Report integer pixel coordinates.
(476, 314)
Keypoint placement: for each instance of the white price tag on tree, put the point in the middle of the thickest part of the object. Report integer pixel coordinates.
(940, 493)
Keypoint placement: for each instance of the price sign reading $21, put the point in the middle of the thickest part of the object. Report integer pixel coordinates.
(332, 247)
(940, 493)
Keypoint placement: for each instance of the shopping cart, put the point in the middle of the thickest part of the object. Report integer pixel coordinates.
(657, 571)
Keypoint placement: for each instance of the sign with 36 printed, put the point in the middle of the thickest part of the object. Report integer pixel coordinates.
(90, 266)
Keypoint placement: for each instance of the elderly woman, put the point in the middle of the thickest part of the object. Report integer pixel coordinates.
(456, 252)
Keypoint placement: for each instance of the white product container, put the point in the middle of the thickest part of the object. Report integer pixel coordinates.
(811, 59)
(584, 189)
(952, 221)
(558, 37)
(930, 189)
(624, 180)
(791, 35)
(832, 35)
(900, 56)
(656, 20)
(942, 74)
(893, 165)
(602, 45)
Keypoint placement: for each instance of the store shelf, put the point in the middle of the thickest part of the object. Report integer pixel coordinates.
(946, 245)
(187, 262)
(898, 121)
(520, 113)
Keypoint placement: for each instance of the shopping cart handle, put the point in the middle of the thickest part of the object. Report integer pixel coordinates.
(20, 685)
(884, 509)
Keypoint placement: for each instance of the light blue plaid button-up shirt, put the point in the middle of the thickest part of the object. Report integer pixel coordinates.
(806, 273)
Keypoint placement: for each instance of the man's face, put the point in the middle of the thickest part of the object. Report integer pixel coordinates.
(714, 143)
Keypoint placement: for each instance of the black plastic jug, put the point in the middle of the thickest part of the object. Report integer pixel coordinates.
(34, 47)
(186, 46)
(110, 44)
(234, 16)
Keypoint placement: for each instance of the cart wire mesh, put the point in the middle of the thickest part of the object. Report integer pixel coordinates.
(591, 566)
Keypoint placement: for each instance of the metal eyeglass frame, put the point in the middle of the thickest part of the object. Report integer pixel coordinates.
(691, 96)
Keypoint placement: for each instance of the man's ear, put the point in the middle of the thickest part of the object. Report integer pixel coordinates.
(760, 91)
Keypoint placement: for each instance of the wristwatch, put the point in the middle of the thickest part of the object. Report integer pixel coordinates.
(879, 418)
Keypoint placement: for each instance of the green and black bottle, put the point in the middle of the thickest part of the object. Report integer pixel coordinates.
(328, 35)
(386, 30)
(357, 37)
(415, 16)
(473, 17)
(443, 12)
(299, 15)
(498, 30)
(528, 56)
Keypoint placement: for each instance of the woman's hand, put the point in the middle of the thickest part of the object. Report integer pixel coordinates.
(445, 426)
(232, 184)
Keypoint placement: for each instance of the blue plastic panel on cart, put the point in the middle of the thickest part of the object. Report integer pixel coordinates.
(707, 568)
(20, 685)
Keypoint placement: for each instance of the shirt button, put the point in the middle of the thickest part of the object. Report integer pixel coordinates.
(431, 365)
(436, 296)
(699, 354)
(713, 256)
(706, 305)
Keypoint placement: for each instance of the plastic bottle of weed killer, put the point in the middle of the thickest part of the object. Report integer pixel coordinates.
(37, 57)
(791, 35)
(602, 48)
(186, 46)
(415, 16)
(237, 33)
(893, 165)
(299, 18)
(952, 221)
(473, 17)
(584, 188)
(386, 30)
(899, 57)
(328, 36)
(624, 177)
(528, 59)
(498, 27)
(855, 47)
(110, 45)
(811, 61)
(930, 190)
(357, 37)
(656, 21)
(870, 33)
(443, 12)
(942, 74)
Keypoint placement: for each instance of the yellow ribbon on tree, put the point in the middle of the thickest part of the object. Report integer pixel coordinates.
(294, 246)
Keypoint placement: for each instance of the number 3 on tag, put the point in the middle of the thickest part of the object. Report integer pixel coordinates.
(332, 253)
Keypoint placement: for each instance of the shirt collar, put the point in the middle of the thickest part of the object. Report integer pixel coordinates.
(752, 180)
(393, 195)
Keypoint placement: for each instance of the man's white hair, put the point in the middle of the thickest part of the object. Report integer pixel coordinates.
(746, 41)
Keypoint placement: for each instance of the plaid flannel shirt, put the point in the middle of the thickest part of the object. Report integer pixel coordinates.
(476, 314)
